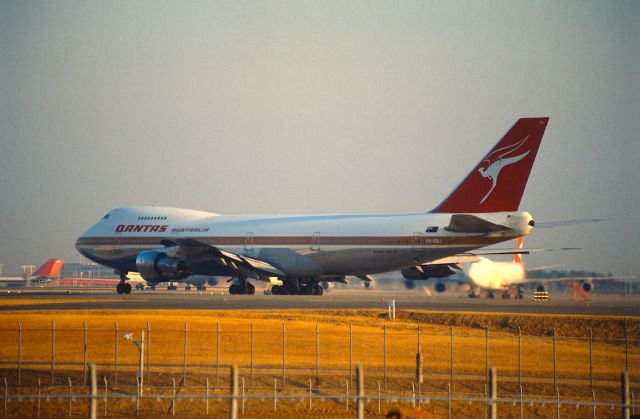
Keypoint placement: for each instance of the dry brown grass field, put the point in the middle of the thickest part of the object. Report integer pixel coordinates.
(165, 353)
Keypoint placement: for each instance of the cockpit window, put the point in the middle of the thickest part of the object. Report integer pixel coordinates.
(106, 216)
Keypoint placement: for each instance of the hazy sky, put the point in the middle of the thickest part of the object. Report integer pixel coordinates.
(314, 107)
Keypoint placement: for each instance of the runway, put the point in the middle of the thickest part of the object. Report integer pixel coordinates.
(46, 299)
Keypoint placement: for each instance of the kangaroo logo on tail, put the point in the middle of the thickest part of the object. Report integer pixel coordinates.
(496, 161)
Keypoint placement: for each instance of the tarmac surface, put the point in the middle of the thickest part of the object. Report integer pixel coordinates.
(86, 299)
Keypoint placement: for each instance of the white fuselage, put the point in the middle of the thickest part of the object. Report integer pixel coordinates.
(311, 246)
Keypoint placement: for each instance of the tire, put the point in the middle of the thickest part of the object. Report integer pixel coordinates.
(233, 289)
(276, 290)
(250, 289)
(120, 288)
(127, 288)
(318, 290)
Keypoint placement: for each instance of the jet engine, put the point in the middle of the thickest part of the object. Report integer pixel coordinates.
(410, 284)
(212, 282)
(155, 266)
(440, 287)
(427, 271)
(587, 286)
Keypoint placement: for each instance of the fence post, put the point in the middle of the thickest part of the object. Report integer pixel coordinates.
(53, 347)
(84, 349)
(6, 395)
(346, 399)
(93, 401)
(593, 403)
(413, 394)
(233, 401)
(591, 358)
(451, 356)
(310, 392)
(521, 403)
(173, 397)
(242, 409)
(206, 400)
(251, 354)
(141, 366)
(626, 349)
(626, 410)
(360, 393)
(384, 342)
(19, 353)
(379, 397)
(554, 358)
(39, 394)
(186, 346)
(148, 353)
(275, 394)
(284, 350)
(70, 398)
(419, 360)
(106, 395)
(557, 402)
(217, 354)
(519, 357)
(350, 352)
(138, 396)
(317, 357)
(486, 351)
(493, 391)
(115, 353)
(449, 400)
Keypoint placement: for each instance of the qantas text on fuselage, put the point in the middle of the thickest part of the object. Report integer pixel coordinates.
(302, 250)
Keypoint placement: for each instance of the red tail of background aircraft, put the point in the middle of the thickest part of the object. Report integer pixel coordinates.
(50, 268)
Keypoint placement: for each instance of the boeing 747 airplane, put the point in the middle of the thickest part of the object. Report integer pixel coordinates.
(301, 251)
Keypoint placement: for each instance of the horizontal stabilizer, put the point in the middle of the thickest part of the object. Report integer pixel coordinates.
(466, 223)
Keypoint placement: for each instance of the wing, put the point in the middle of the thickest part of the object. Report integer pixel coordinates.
(202, 255)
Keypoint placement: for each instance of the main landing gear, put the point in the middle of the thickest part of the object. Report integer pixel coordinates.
(123, 287)
(297, 287)
(242, 287)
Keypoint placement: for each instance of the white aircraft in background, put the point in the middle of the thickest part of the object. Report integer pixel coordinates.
(484, 275)
(301, 251)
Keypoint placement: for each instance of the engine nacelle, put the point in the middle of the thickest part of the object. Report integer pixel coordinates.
(440, 287)
(156, 266)
(587, 286)
(428, 271)
(409, 284)
(212, 282)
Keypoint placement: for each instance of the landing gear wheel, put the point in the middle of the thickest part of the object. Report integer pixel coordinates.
(187, 288)
(317, 289)
(250, 289)
(120, 288)
(276, 290)
(127, 288)
(233, 289)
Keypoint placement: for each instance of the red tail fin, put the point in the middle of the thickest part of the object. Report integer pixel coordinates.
(497, 182)
(50, 268)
